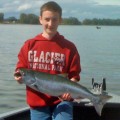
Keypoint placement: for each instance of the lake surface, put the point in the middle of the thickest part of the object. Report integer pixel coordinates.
(99, 50)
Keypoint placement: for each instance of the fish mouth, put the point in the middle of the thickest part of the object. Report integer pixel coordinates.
(17, 74)
(21, 72)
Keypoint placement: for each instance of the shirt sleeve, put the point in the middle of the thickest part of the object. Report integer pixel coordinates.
(75, 67)
(23, 57)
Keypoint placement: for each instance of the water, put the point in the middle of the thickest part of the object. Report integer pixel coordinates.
(99, 50)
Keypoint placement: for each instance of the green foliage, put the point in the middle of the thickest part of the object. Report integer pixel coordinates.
(1, 17)
(11, 19)
(96, 21)
(34, 19)
(71, 21)
(29, 19)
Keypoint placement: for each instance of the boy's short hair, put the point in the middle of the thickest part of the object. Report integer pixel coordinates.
(51, 6)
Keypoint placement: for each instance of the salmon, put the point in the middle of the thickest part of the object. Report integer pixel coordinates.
(56, 85)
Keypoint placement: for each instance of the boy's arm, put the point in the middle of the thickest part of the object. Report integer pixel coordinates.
(73, 75)
(22, 62)
(75, 68)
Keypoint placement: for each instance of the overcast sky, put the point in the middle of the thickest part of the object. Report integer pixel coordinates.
(80, 9)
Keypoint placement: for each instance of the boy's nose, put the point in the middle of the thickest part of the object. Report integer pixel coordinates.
(50, 23)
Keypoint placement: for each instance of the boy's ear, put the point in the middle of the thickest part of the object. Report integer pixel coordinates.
(40, 19)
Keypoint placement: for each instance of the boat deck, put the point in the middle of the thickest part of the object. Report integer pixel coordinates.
(81, 111)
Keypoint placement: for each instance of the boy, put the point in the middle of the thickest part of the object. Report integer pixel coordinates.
(49, 52)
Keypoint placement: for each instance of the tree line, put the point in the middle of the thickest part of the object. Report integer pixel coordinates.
(34, 19)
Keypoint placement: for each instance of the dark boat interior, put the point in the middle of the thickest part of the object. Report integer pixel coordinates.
(111, 111)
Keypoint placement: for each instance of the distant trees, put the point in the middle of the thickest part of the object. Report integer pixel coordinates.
(29, 19)
(11, 19)
(1, 17)
(34, 19)
(71, 21)
(96, 21)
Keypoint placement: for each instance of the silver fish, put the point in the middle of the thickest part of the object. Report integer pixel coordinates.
(55, 85)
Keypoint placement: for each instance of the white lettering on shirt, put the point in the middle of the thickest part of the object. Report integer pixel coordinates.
(46, 60)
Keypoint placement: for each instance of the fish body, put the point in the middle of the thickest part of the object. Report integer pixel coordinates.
(56, 85)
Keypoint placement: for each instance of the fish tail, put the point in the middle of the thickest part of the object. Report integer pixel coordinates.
(99, 102)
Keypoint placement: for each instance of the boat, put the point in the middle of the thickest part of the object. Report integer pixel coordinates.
(98, 27)
(81, 111)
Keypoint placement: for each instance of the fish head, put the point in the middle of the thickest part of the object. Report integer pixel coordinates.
(27, 76)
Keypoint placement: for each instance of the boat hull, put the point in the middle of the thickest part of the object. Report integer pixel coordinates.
(81, 111)
(111, 111)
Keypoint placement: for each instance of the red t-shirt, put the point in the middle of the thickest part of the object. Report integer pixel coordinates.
(55, 56)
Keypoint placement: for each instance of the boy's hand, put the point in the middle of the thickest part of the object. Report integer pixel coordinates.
(65, 96)
(18, 77)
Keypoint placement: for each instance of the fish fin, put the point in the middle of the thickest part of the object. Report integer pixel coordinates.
(100, 102)
(77, 100)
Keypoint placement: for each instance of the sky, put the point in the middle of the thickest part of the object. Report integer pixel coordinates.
(81, 9)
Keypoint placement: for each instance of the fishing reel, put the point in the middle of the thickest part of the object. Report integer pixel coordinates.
(99, 88)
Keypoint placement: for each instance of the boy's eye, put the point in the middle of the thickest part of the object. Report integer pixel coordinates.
(53, 19)
(47, 19)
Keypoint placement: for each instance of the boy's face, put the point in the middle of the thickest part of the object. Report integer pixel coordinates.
(50, 21)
